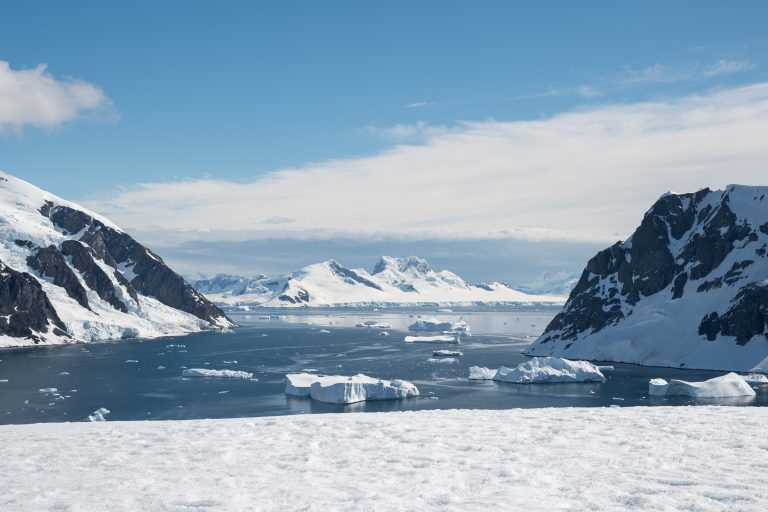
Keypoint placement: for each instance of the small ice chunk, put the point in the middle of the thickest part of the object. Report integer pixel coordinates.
(441, 338)
(755, 379)
(221, 374)
(48, 390)
(383, 333)
(374, 324)
(605, 368)
(98, 414)
(447, 353)
(131, 361)
(728, 385)
(443, 360)
(481, 373)
(324, 331)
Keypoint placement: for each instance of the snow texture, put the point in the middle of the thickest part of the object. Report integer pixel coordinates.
(727, 385)
(565, 459)
(340, 389)
(221, 374)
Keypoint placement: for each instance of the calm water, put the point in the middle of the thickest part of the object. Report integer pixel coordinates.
(140, 380)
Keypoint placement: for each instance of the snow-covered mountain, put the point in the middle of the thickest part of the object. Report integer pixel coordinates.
(688, 289)
(393, 282)
(67, 274)
(548, 283)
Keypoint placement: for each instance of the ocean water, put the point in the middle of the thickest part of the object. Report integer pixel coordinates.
(141, 379)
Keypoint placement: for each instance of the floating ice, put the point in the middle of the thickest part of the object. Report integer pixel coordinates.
(450, 353)
(225, 374)
(728, 385)
(324, 331)
(340, 389)
(441, 338)
(443, 360)
(373, 324)
(48, 390)
(98, 414)
(434, 325)
(541, 370)
(481, 373)
(755, 379)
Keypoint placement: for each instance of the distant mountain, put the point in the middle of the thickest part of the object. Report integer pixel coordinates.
(688, 289)
(67, 274)
(393, 281)
(559, 283)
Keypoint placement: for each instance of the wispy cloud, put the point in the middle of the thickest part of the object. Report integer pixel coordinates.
(581, 175)
(687, 72)
(419, 104)
(419, 130)
(581, 91)
(34, 97)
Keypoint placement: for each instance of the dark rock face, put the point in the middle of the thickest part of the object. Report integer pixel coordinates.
(687, 245)
(300, 296)
(49, 262)
(24, 306)
(151, 276)
(94, 276)
(352, 275)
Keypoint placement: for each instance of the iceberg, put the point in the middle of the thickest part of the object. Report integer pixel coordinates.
(541, 370)
(434, 325)
(99, 414)
(481, 373)
(755, 379)
(340, 389)
(442, 338)
(221, 374)
(728, 385)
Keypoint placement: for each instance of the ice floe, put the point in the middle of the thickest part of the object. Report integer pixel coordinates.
(340, 389)
(222, 374)
(443, 360)
(99, 414)
(728, 385)
(440, 338)
(447, 353)
(373, 324)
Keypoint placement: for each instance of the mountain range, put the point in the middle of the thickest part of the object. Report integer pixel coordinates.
(392, 282)
(68, 274)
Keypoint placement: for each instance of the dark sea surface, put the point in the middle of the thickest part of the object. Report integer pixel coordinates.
(141, 379)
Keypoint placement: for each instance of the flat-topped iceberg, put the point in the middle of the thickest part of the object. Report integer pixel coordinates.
(374, 324)
(220, 374)
(728, 385)
(434, 325)
(440, 338)
(341, 389)
(541, 370)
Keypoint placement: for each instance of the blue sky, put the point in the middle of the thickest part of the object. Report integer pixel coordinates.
(234, 91)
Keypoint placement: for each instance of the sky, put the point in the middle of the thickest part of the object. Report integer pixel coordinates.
(496, 139)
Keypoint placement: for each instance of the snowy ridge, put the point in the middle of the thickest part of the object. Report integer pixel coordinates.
(68, 274)
(638, 458)
(688, 289)
(393, 282)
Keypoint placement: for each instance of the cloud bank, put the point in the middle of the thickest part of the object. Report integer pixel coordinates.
(34, 97)
(585, 175)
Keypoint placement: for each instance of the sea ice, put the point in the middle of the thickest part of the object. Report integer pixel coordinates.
(434, 325)
(441, 338)
(541, 370)
(48, 390)
(447, 353)
(226, 374)
(340, 389)
(373, 324)
(728, 385)
(443, 360)
(481, 373)
(755, 379)
(98, 414)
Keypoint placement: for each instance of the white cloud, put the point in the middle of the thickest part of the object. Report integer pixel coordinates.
(689, 72)
(415, 131)
(581, 175)
(34, 97)
(418, 104)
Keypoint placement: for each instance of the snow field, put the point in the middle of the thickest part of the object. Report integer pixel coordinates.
(611, 459)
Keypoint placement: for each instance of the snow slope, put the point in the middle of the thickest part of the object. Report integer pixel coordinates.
(393, 282)
(83, 271)
(611, 459)
(688, 289)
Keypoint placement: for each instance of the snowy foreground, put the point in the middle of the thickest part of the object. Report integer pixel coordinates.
(656, 458)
